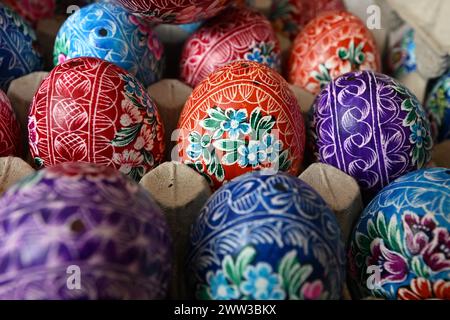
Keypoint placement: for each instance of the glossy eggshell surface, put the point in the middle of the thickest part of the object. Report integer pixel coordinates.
(88, 217)
(10, 136)
(290, 16)
(174, 11)
(332, 44)
(403, 237)
(371, 127)
(236, 34)
(107, 31)
(90, 110)
(243, 117)
(17, 52)
(266, 237)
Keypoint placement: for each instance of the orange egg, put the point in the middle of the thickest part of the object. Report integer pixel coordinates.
(332, 44)
(243, 117)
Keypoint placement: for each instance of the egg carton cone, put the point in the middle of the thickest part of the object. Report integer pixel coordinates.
(430, 21)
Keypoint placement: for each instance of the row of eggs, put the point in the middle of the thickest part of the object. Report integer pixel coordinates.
(236, 101)
(261, 236)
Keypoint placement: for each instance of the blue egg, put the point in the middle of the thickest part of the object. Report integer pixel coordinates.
(17, 54)
(438, 107)
(107, 31)
(266, 237)
(400, 248)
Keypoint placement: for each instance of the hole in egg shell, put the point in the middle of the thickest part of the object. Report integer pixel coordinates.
(447, 171)
(102, 32)
(77, 226)
(171, 185)
(245, 65)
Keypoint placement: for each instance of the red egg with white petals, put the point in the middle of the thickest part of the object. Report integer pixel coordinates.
(243, 117)
(237, 34)
(174, 11)
(10, 139)
(90, 110)
(332, 44)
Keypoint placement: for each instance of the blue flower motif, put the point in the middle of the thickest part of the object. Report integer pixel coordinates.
(418, 133)
(271, 146)
(251, 155)
(255, 55)
(261, 283)
(235, 123)
(199, 145)
(219, 287)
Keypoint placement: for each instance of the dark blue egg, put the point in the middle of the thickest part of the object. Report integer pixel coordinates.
(18, 56)
(266, 237)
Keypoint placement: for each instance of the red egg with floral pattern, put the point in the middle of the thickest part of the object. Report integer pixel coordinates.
(90, 110)
(332, 44)
(174, 11)
(10, 139)
(243, 117)
(237, 34)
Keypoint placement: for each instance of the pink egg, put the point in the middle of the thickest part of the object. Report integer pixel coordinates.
(237, 34)
(10, 140)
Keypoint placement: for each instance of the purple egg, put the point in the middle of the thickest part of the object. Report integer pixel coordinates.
(82, 231)
(371, 127)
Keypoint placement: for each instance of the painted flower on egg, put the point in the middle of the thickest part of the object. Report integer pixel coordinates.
(331, 45)
(237, 34)
(403, 238)
(90, 110)
(266, 237)
(174, 11)
(402, 55)
(371, 127)
(107, 31)
(18, 56)
(243, 117)
(85, 216)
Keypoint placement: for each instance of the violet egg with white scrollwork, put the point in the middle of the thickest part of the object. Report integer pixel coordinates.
(371, 127)
(82, 231)
(266, 237)
(400, 248)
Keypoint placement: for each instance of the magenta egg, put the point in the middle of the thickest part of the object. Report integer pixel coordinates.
(10, 139)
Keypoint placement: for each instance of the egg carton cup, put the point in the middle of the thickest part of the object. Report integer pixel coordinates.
(430, 20)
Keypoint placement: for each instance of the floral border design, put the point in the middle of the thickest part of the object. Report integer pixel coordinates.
(138, 132)
(240, 279)
(244, 140)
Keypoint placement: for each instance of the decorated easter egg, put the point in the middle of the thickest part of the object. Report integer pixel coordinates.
(243, 117)
(174, 11)
(401, 57)
(17, 54)
(266, 237)
(438, 107)
(33, 10)
(290, 16)
(107, 31)
(91, 110)
(332, 44)
(82, 231)
(10, 139)
(237, 34)
(371, 127)
(400, 248)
